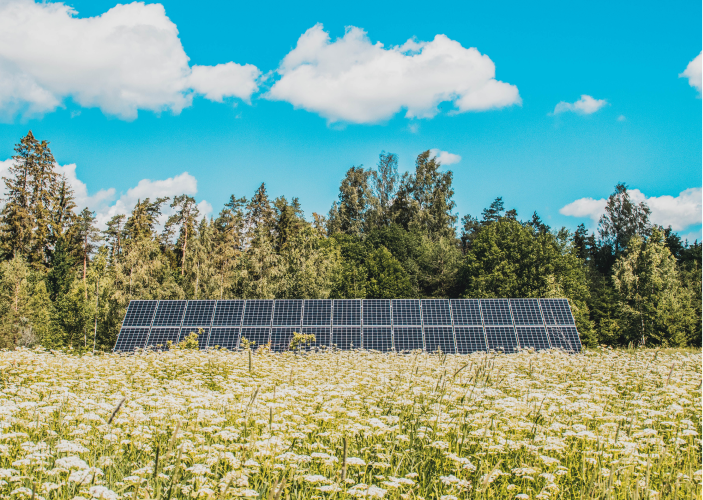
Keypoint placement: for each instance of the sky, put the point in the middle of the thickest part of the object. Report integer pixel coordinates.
(547, 104)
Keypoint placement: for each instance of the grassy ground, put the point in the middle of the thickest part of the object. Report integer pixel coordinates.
(603, 424)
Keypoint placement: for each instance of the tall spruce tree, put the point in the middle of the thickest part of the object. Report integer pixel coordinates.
(183, 220)
(87, 236)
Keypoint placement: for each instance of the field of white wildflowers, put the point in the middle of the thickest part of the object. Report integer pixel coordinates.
(199, 424)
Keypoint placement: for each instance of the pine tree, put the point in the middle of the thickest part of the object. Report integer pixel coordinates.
(184, 221)
(87, 235)
(355, 200)
(622, 220)
(114, 234)
(229, 242)
(432, 192)
(384, 181)
(143, 219)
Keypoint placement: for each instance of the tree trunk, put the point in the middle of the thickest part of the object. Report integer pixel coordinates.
(183, 257)
(85, 266)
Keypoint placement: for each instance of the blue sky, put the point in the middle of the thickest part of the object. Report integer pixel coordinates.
(132, 113)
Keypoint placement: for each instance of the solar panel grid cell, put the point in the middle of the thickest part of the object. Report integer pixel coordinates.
(407, 338)
(317, 313)
(439, 338)
(227, 338)
(322, 336)
(378, 338)
(140, 313)
(436, 312)
(130, 339)
(406, 312)
(346, 337)
(259, 336)
(202, 332)
(160, 337)
(526, 311)
(496, 312)
(287, 312)
(377, 312)
(169, 313)
(258, 313)
(228, 313)
(501, 338)
(532, 336)
(466, 312)
(564, 337)
(346, 313)
(281, 337)
(556, 312)
(469, 339)
(199, 312)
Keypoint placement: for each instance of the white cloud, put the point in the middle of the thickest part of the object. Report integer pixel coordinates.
(693, 72)
(622, 118)
(445, 157)
(585, 106)
(127, 59)
(678, 212)
(353, 80)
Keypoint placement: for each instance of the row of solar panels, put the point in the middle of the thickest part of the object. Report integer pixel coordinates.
(454, 326)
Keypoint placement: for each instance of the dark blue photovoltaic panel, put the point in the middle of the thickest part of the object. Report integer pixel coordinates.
(439, 338)
(140, 312)
(287, 312)
(317, 313)
(407, 338)
(281, 337)
(406, 312)
(556, 312)
(346, 313)
(322, 336)
(199, 312)
(228, 313)
(227, 338)
(466, 312)
(160, 337)
(377, 312)
(169, 313)
(378, 338)
(501, 338)
(130, 339)
(532, 336)
(469, 339)
(346, 337)
(496, 312)
(526, 312)
(436, 312)
(260, 336)
(564, 337)
(202, 336)
(258, 313)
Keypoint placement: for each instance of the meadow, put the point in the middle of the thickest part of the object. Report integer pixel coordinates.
(216, 424)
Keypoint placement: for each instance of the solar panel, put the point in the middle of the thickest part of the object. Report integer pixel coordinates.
(406, 312)
(496, 312)
(140, 313)
(469, 339)
(556, 312)
(281, 337)
(258, 336)
(227, 338)
(346, 313)
(202, 336)
(501, 338)
(287, 312)
(258, 313)
(199, 312)
(322, 335)
(436, 312)
(160, 337)
(169, 313)
(130, 339)
(466, 312)
(439, 338)
(346, 337)
(407, 338)
(564, 337)
(526, 312)
(532, 336)
(228, 313)
(377, 312)
(317, 313)
(378, 338)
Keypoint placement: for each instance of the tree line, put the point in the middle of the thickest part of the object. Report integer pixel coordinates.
(67, 284)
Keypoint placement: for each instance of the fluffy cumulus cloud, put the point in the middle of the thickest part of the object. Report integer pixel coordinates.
(587, 105)
(445, 157)
(353, 80)
(693, 72)
(128, 59)
(679, 212)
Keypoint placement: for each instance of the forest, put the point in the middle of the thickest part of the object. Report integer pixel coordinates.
(65, 283)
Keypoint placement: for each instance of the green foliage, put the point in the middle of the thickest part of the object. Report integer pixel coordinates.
(300, 340)
(190, 343)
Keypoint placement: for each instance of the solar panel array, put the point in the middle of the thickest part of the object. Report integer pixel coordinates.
(460, 326)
